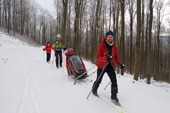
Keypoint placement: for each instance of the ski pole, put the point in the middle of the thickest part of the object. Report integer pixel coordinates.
(53, 58)
(92, 73)
(79, 77)
(107, 85)
(43, 55)
(82, 75)
(91, 68)
(87, 72)
(97, 80)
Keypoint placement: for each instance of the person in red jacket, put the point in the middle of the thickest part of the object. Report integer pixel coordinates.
(48, 48)
(107, 51)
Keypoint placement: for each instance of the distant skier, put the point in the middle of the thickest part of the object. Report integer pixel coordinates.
(48, 48)
(58, 46)
(107, 51)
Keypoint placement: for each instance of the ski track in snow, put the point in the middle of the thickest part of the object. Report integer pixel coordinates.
(30, 90)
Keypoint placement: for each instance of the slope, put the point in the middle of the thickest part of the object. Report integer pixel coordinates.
(30, 85)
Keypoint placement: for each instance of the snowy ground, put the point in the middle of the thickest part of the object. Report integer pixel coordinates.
(29, 85)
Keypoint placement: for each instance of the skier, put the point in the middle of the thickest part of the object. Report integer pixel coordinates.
(58, 46)
(48, 48)
(107, 51)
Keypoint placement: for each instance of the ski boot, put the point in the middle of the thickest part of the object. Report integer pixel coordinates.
(115, 100)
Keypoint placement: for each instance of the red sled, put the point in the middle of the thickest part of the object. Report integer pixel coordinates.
(75, 66)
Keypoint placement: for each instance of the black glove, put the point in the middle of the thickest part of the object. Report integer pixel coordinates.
(64, 48)
(109, 58)
(122, 66)
(43, 49)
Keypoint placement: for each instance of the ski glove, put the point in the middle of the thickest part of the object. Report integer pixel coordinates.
(122, 66)
(64, 48)
(43, 49)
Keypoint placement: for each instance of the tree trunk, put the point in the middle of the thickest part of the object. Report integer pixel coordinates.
(0, 12)
(69, 27)
(27, 25)
(21, 23)
(131, 12)
(14, 16)
(117, 24)
(5, 14)
(96, 28)
(122, 42)
(137, 50)
(9, 14)
(44, 34)
(150, 37)
(142, 56)
(65, 2)
(76, 25)
(146, 47)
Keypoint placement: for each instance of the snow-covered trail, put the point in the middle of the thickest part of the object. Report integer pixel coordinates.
(30, 85)
(37, 87)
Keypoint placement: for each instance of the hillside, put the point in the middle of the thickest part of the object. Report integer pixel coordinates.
(30, 85)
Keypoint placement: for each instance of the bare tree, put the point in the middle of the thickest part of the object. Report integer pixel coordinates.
(150, 37)
(132, 15)
(96, 27)
(122, 42)
(142, 47)
(9, 14)
(0, 12)
(65, 4)
(78, 4)
(117, 20)
(159, 8)
(83, 23)
(137, 52)
(14, 16)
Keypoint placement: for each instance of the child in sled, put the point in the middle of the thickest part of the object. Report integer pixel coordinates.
(74, 70)
(70, 52)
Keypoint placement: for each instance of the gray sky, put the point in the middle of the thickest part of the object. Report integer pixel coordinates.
(49, 5)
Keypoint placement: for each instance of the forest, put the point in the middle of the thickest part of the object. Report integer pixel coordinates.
(141, 36)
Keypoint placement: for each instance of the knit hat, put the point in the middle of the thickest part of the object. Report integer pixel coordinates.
(109, 33)
(58, 35)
